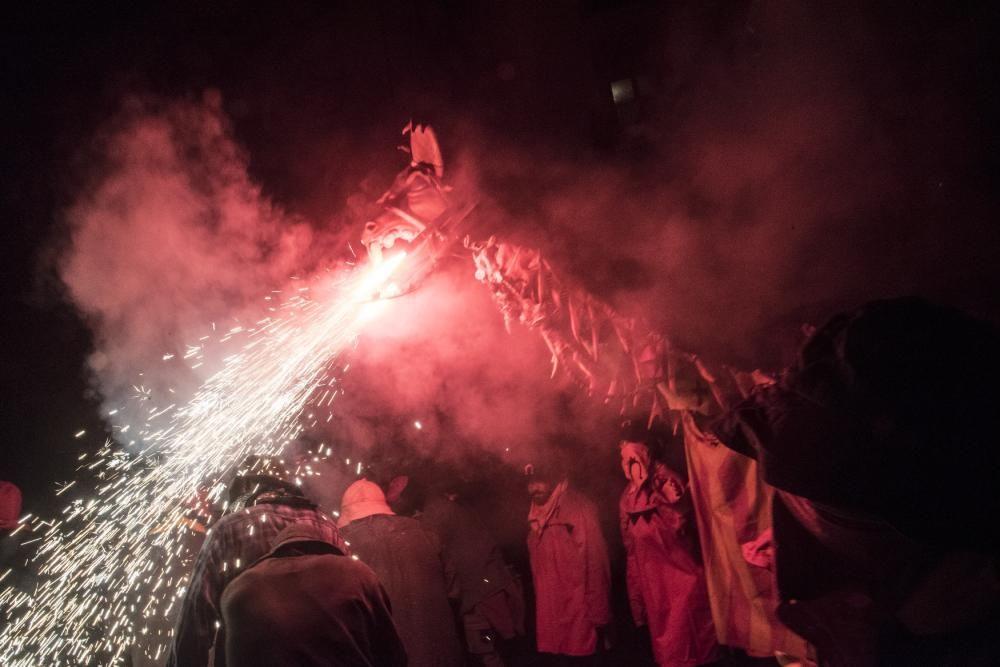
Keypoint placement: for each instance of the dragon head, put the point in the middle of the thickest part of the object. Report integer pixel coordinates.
(416, 200)
(416, 213)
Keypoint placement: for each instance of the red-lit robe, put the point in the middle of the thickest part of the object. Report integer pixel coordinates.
(572, 577)
(666, 580)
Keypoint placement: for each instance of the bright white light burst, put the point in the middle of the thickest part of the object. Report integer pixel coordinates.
(113, 567)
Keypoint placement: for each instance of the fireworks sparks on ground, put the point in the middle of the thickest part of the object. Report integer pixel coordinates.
(112, 567)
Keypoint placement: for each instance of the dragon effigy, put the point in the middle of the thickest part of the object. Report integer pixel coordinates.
(621, 361)
(830, 462)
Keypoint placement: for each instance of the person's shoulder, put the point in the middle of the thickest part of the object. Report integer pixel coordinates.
(294, 511)
(393, 520)
(347, 569)
(573, 495)
(364, 573)
(229, 523)
(228, 520)
(256, 512)
(408, 524)
(378, 524)
(577, 501)
(416, 533)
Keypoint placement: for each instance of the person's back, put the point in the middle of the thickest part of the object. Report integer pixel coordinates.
(306, 605)
(472, 550)
(492, 600)
(408, 560)
(234, 542)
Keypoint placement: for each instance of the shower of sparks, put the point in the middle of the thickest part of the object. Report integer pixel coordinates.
(113, 567)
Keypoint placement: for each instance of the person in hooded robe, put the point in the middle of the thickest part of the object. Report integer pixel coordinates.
(664, 573)
(410, 563)
(569, 568)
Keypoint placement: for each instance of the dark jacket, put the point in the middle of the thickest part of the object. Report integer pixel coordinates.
(410, 564)
(470, 548)
(232, 544)
(305, 604)
(880, 440)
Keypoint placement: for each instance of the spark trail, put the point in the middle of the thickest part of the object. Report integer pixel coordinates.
(112, 567)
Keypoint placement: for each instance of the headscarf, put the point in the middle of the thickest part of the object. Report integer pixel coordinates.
(539, 515)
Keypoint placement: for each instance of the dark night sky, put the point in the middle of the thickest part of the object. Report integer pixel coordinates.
(318, 91)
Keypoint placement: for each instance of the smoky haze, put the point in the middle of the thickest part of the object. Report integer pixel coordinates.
(441, 357)
(172, 243)
(783, 162)
(793, 161)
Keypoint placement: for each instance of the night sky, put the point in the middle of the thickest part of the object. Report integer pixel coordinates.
(874, 127)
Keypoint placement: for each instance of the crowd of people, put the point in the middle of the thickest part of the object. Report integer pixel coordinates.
(403, 576)
(842, 515)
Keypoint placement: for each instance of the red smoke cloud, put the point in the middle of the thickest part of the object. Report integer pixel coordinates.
(441, 356)
(171, 237)
(796, 162)
(174, 237)
(788, 169)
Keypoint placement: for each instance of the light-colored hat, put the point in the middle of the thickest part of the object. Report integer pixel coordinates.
(361, 499)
